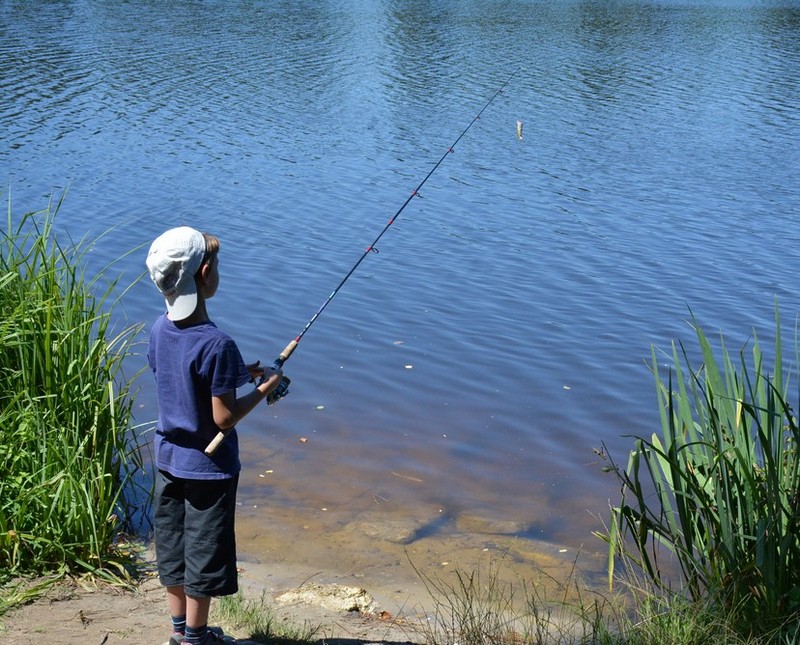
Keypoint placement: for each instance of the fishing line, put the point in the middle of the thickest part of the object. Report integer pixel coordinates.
(283, 388)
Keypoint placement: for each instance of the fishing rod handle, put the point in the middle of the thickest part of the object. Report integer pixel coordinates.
(215, 443)
(286, 353)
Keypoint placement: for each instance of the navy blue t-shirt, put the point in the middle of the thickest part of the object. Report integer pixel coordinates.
(191, 365)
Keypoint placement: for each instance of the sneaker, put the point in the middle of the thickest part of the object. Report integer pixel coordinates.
(216, 635)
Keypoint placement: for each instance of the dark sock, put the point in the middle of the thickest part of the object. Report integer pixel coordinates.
(178, 624)
(195, 635)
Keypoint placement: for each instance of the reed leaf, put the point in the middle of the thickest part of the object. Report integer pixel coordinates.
(725, 474)
(66, 449)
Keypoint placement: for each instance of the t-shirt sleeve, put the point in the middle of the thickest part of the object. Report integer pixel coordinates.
(228, 371)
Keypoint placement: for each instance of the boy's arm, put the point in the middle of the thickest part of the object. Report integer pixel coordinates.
(228, 409)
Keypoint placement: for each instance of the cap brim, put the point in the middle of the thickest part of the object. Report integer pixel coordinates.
(183, 305)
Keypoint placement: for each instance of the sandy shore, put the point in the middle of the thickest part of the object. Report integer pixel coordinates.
(387, 557)
(73, 615)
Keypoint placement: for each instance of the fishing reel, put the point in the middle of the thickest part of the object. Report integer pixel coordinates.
(279, 392)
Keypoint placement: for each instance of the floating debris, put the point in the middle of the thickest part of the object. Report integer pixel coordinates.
(408, 477)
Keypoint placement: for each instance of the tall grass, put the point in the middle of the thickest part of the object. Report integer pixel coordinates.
(485, 606)
(255, 615)
(718, 489)
(66, 453)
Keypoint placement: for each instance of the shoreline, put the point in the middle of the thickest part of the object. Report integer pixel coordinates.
(391, 574)
(78, 612)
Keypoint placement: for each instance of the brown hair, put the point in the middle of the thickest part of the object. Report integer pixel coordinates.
(212, 248)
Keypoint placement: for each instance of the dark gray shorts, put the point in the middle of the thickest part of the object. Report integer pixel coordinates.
(194, 534)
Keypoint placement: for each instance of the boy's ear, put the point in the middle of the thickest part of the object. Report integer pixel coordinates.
(205, 271)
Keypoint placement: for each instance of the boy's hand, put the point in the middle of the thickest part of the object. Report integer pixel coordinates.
(256, 372)
(270, 379)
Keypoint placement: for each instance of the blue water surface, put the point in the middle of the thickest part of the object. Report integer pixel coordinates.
(502, 334)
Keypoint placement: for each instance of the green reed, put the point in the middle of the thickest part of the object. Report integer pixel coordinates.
(66, 450)
(718, 490)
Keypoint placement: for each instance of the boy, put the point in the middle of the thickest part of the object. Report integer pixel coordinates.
(197, 369)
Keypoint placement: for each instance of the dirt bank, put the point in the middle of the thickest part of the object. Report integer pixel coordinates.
(73, 615)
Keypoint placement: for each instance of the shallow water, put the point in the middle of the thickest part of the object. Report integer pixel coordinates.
(465, 375)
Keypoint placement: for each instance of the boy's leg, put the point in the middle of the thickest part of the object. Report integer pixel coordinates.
(194, 612)
(210, 553)
(176, 601)
(210, 539)
(197, 611)
(169, 516)
(168, 519)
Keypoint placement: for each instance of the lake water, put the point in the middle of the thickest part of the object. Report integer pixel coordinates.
(463, 377)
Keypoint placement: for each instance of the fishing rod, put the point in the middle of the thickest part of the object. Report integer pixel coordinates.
(283, 387)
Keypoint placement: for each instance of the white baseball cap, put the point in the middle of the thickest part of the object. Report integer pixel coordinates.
(173, 260)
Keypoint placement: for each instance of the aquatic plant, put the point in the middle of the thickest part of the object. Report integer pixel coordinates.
(718, 489)
(66, 450)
